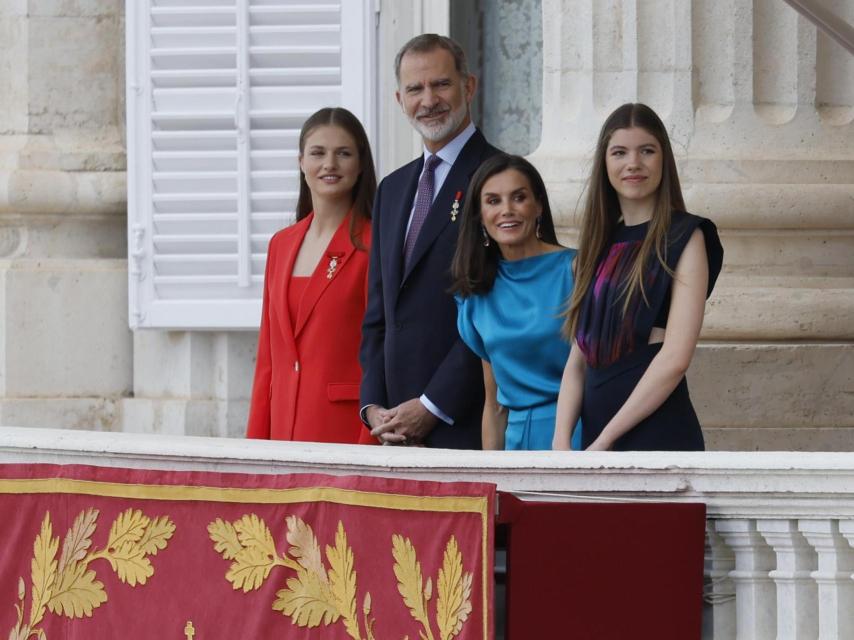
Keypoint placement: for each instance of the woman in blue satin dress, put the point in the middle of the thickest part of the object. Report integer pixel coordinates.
(512, 280)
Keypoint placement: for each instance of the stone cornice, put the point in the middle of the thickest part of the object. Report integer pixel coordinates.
(24, 191)
(731, 484)
(760, 206)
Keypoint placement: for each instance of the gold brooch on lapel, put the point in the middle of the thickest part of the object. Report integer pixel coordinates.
(333, 264)
(455, 208)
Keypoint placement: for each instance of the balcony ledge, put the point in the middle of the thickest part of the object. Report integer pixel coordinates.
(731, 484)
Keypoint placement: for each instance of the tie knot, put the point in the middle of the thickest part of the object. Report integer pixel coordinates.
(432, 162)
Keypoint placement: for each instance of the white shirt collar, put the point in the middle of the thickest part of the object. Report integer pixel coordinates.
(450, 151)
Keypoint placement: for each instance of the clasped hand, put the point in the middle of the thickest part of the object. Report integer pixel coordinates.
(406, 424)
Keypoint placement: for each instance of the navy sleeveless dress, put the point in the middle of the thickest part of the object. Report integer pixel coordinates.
(615, 346)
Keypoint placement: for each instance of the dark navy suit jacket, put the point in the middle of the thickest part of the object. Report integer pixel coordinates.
(410, 343)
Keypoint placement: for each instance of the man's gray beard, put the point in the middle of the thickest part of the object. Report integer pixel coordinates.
(452, 122)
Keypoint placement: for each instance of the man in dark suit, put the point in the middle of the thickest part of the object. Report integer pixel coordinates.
(420, 383)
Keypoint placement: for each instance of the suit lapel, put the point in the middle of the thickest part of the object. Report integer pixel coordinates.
(440, 213)
(289, 259)
(340, 249)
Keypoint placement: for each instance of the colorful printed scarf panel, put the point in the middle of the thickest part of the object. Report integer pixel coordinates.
(604, 333)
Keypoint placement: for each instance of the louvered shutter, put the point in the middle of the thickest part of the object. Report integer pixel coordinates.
(217, 93)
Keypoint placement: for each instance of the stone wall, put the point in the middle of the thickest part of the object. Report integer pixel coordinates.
(65, 347)
(760, 107)
(503, 40)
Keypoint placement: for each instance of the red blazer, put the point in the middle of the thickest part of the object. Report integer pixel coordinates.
(307, 372)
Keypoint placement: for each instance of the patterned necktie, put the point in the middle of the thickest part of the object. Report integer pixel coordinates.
(423, 202)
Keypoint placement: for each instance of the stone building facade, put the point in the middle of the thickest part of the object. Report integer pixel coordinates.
(760, 106)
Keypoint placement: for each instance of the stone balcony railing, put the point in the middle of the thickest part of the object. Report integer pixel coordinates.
(780, 559)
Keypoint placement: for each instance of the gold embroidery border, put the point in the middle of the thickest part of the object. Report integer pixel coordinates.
(336, 495)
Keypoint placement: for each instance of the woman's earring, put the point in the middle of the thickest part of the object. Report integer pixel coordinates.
(539, 219)
(485, 236)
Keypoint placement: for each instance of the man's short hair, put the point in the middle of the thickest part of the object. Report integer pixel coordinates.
(427, 42)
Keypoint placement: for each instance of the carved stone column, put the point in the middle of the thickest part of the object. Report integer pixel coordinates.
(755, 600)
(760, 109)
(65, 347)
(796, 591)
(833, 577)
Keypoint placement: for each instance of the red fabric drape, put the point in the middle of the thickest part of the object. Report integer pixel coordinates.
(603, 571)
(103, 553)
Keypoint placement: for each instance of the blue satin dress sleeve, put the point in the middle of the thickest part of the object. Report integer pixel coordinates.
(516, 327)
(466, 310)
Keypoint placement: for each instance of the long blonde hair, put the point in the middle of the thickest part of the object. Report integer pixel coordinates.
(602, 213)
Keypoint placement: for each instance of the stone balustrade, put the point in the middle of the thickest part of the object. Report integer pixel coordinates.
(780, 558)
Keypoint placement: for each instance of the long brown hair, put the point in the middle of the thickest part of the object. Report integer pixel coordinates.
(474, 265)
(366, 183)
(602, 213)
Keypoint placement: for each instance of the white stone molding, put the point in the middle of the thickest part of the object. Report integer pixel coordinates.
(103, 193)
(797, 600)
(833, 576)
(733, 485)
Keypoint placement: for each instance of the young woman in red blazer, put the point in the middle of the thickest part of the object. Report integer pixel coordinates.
(307, 372)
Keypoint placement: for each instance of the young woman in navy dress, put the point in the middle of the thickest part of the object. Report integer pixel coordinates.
(644, 270)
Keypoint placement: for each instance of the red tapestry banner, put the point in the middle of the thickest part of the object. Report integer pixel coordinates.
(93, 552)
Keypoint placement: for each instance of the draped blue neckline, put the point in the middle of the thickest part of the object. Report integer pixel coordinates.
(532, 267)
(517, 327)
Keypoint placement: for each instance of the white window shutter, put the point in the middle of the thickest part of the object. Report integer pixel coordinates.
(217, 93)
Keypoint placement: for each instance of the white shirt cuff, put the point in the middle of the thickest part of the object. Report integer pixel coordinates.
(436, 411)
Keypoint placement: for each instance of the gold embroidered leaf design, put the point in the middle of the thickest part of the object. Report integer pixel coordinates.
(134, 536)
(250, 568)
(454, 599)
(305, 601)
(250, 544)
(156, 535)
(342, 580)
(407, 569)
(366, 613)
(20, 634)
(304, 547)
(69, 587)
(43, 570)
(77, 593)
(128, 527)
(224, 536)
(130, 564)
(78, 539)
(253, 533)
